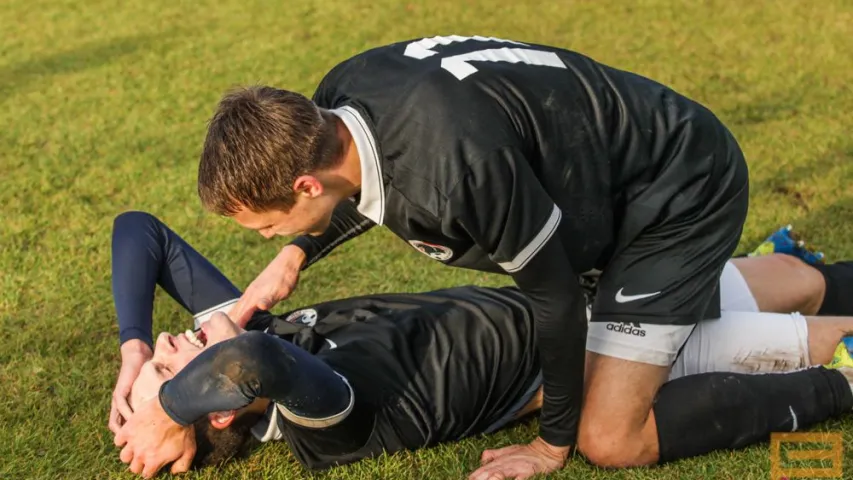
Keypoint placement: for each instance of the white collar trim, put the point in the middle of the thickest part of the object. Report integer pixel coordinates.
(267, 427)
(372, 204)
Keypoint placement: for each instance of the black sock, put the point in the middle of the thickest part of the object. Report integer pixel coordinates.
(701, 413)
(838, 299)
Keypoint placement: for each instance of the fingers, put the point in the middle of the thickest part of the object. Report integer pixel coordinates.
(485, 473)
(126, 454)
(121, 438)
(116, 419)
(123, 406)
(489, 455)
(243, 310)
(519, 470)
(136, 465)
(264, 304)
(151, 468)
(119, 407)
(183, 464)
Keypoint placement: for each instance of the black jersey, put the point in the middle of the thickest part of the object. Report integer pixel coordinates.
(424, 368)
(480, 146)
(481, 153)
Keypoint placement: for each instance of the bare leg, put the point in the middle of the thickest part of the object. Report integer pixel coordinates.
(824, 335)
(782, 283)
(615, 432)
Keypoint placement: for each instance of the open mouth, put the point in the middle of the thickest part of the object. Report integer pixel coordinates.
(197, 337)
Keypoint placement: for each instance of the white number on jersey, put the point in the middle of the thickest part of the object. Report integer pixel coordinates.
(459, 65)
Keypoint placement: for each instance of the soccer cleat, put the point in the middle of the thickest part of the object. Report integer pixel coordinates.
(848, 341)
(841, 358)
(784, 241)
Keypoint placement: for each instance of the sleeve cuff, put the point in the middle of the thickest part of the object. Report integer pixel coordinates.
(321, 422)
(162, 397)
(532, 248)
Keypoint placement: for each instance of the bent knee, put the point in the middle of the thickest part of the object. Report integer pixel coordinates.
(809, 281)
(607, 449)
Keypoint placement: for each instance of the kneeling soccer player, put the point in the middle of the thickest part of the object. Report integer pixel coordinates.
(354, 378)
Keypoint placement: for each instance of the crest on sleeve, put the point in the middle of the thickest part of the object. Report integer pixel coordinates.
(433, 251)
(307, 317)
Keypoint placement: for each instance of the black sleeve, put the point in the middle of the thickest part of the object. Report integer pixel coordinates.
(232, 374)
(346, 223)
(505, 209)
(559, 312)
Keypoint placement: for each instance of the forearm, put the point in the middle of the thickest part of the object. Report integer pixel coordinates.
(146, 253)
(136, 262)
(558, 305)
(346, 223)
(232, 374)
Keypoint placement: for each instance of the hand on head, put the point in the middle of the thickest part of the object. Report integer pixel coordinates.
(134, 353)
(150, 438)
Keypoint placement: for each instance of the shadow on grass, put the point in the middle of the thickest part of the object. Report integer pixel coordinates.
(786, 101)
(89, 56)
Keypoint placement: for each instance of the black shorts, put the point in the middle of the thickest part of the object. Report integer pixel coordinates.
(677, 236)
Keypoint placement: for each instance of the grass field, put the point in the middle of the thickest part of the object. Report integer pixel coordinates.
(103, 106)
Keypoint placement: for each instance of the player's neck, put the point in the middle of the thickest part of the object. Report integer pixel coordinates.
(345, 177)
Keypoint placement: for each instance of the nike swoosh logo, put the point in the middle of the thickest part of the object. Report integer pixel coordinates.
(630, 298)
(332, 345)
(793, 416)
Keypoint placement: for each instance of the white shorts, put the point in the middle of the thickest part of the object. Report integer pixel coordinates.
(742, 340)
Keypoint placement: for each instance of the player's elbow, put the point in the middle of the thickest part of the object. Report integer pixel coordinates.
(133, 222)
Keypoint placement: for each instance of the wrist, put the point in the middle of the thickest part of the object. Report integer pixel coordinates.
(293, 256)
(135, 348)
(561, 452)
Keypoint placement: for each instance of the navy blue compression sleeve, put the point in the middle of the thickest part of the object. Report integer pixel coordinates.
(558, 303)
(347, 223)
(232, 374)
(146, 253)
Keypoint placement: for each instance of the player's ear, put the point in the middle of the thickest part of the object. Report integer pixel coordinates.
(308, 185)
(222, 420)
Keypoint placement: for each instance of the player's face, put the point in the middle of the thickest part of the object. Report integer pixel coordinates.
(173, 352)
(309, 215)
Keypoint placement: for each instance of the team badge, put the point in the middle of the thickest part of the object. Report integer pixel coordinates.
(307, 317)
(431, 250)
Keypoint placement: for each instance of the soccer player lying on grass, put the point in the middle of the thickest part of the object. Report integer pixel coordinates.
(353, 378)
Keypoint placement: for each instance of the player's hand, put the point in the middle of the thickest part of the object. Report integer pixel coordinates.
(133, 354)
(151, 439)
(274, 284)
(520, 461)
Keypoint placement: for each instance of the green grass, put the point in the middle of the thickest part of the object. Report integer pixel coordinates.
(103, 106)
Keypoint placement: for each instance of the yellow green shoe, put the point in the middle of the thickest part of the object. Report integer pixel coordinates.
(841, 358)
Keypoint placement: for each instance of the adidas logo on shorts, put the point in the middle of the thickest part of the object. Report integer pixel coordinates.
(627, 328)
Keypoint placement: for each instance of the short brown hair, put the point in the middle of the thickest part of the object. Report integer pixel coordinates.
(215, 446)
(259, 141)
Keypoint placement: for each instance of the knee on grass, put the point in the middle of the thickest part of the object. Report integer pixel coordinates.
(604, 447)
